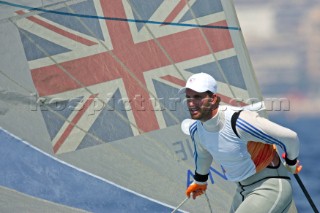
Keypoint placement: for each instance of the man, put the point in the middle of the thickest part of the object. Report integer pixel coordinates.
(244, 144)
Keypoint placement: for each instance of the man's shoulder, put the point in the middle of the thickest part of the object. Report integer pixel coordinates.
(248, 110)
(188, 126)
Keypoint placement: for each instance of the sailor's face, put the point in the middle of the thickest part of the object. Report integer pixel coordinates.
(200, 105)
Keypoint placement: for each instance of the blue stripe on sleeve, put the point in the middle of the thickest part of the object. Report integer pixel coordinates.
(245, 126)
(192, 130)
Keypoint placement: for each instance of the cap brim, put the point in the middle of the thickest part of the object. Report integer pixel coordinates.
(183, 90)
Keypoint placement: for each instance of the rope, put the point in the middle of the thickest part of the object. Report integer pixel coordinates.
(183, 202)
(306, 193)
(209, 205)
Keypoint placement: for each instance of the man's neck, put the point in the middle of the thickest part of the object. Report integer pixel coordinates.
(216, 122)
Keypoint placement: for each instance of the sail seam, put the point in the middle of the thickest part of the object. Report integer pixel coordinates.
(211, 51)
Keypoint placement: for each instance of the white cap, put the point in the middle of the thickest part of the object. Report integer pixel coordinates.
(200, 82)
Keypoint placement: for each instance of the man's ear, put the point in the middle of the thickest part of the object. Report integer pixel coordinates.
(215, 100)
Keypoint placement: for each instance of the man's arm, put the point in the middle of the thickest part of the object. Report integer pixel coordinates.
(202, 157)
(251, 127)
(203, 160)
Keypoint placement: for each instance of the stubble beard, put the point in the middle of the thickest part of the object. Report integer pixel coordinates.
(202, 115)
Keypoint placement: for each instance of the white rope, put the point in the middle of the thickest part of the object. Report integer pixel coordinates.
(183, 202)
(208, 202)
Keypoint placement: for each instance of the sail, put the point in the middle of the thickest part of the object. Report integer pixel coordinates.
(89, 91)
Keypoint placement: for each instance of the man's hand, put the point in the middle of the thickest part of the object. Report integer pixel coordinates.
(293, 166)
(196, 189)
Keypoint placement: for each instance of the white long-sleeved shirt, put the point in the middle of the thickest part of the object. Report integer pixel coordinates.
(240, 156)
